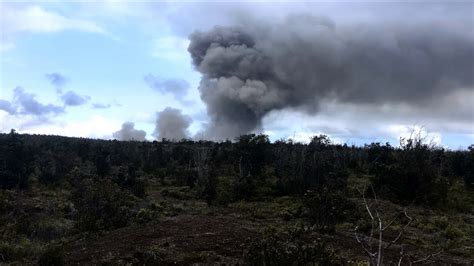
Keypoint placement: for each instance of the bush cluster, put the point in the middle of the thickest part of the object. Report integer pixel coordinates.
(288, 248)
(101, 205)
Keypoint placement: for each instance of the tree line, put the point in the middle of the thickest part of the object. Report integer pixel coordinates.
(247, 168)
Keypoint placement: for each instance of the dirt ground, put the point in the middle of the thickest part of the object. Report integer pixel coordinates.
(204, 240)
(184, 239)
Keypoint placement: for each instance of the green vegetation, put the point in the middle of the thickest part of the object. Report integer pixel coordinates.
(74, 200)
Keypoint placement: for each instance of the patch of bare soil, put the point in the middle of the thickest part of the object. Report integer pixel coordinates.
(202, 239)
(184, 239)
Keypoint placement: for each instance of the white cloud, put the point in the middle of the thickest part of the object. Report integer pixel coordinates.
(365, 124)
(17, 19)
(36, 19)
(171, 48)
(95, 126)
(4, 46)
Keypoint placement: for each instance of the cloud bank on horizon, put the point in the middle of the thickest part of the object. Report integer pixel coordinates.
(368, 74)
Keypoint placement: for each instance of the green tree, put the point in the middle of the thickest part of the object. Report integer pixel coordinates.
(408, 176)
(15, 167)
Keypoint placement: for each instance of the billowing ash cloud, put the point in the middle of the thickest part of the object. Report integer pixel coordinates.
(177, 87)
(71, 98)
(251, 70)
(57, 80)
(25, 103)
(171, 124)
(128, 132)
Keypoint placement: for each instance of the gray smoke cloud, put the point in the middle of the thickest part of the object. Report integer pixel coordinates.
(71, 98)
(171, 124)
(251, 70)
(128, 132)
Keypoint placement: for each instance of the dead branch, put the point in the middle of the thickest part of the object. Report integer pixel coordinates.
(401, 231)
(376, 257)
(427, 257)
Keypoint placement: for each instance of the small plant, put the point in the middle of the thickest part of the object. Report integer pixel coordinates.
(146, 215)
(16, 250)
(101, 205)
(292, 247)
(459, 199)
(52, 256)
(151, 256)
(328, 208)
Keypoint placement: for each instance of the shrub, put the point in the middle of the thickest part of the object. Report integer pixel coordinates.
(407, 175)
(6, 202)
(328, 208)
(16, 250)
(206, 184)
(225, 192)
(52, 256)
(127, 178)
(101, 205)
(42, 228)
(51, 168)
(146, 215)
(458, 198)
(288, 248)
(151, 256)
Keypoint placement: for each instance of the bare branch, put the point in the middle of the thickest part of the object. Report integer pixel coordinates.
(401, 231)
(427, 257)
(389, 224)
(362, 243)
(379, 253)
(402, 254)
(373, 192)
(371, 217)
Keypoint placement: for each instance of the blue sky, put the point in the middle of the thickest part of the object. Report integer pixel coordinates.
(105, 49)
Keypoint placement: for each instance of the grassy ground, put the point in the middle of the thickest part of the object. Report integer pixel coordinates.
(171, 226)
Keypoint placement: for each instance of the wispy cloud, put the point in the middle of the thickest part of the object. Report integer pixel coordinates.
(7, 107)
(26, 103)
(71, 98)
(177, 87)
(170, 48)
(18, 19)
(101, 106)
(57, 80)
(37, 19)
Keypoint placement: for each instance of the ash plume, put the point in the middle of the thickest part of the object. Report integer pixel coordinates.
(128, 132)
(251, 70)
(171, 124)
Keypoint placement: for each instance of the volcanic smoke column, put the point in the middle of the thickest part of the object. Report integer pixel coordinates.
(253, 69)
